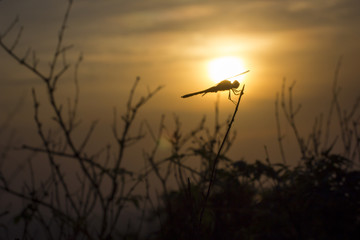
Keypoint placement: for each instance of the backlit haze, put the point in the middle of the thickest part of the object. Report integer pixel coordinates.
(174, 43)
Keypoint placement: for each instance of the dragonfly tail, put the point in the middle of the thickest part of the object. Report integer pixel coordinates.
(192, 94)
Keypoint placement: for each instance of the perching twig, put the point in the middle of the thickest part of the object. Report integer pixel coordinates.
(213, 170)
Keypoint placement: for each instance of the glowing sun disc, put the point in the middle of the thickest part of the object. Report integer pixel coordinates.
(225, 67)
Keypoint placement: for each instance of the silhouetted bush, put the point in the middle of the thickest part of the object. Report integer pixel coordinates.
(316, 200)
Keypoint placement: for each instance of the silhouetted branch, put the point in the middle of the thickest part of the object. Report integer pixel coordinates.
(290, 113)
(278, 127)
(213, 168)
(10, 27)
(17, 39)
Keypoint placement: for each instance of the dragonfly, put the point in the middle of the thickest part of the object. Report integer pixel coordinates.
(221, 86)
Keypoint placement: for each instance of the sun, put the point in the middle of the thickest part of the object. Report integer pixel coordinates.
(225, 67)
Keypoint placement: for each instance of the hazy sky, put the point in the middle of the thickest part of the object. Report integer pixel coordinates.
(171, 42)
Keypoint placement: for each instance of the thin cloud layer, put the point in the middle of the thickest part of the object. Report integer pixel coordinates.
(157, 29)
(170, 42)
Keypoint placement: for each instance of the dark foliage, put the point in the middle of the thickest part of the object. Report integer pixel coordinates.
(318, 199)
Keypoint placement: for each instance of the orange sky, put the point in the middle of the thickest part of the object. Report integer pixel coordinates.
(170, 43)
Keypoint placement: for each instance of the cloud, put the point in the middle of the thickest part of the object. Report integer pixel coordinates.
(163, 29)
(183, 17)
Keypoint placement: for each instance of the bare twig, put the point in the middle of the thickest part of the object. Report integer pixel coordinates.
(278, 127)
(215, 162)
(290, 114)
(10, 27)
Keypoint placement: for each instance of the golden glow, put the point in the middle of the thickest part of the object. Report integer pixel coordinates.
(225, 67)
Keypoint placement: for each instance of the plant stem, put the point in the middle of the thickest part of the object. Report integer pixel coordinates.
(216, 160)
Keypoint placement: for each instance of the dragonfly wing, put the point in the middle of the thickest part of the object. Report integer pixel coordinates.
(239, 74)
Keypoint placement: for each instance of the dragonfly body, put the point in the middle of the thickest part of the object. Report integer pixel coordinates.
(221, 86)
